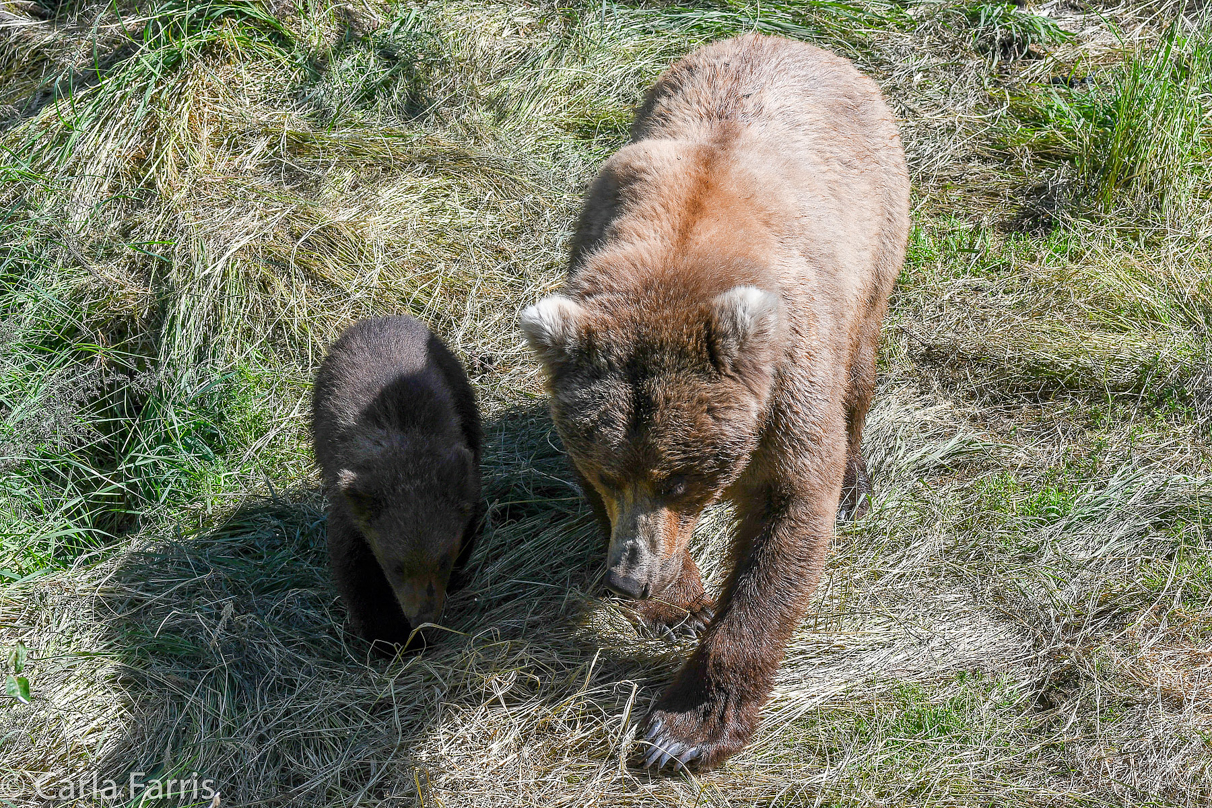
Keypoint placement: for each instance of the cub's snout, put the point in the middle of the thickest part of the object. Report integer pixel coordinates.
(421, 598)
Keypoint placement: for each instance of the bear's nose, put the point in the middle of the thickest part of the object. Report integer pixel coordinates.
(625, 586)
(421, 599)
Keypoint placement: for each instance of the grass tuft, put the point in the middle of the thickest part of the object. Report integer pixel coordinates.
(1138, 132)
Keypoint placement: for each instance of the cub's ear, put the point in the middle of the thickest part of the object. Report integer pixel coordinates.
(456, 469)
(742, 329)
(360, 500)
(553, 327)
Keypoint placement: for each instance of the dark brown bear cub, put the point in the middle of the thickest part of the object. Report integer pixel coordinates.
(398, 440)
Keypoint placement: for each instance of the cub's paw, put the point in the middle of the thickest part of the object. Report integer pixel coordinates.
(703, 731)
(669, 620)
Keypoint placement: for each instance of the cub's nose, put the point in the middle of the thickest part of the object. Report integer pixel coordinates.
(421, 599)
(627, 587)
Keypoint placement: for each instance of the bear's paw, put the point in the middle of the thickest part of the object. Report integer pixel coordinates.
(699, 728)
(669, 620)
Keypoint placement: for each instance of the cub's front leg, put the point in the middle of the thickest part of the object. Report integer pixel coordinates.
(374, 612)
(713, 706)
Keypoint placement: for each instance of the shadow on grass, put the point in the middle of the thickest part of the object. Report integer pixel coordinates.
(234, 666)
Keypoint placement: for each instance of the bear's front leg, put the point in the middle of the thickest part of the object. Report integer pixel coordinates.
(682, 608)
(712, 707)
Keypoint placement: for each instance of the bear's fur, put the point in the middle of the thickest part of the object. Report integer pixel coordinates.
(716, 338)
(397, 436)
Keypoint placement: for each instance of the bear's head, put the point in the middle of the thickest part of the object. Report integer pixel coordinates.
(659, 401)
(414, 501)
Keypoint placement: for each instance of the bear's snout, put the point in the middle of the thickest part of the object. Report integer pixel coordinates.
(629, 568)
(421, 599)
(626, 586)
(637, 562)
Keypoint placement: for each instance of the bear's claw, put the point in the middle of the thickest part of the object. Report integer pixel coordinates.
(695, 723)
(663, 750)
(670, 621)
(698, 621)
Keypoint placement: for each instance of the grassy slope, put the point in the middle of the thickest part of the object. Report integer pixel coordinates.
(197, 197)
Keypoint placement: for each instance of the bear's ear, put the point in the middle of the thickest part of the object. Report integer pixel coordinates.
(743, 327)
(361, 501)
(553, 328)
(455, 471)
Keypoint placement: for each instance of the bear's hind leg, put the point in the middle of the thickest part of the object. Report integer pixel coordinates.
(681, 609)
(856, 489)
(374, 613)
(856, 483)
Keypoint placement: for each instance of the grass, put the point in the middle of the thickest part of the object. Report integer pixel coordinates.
(1004, 31)
(195, 199)
(1136, 132)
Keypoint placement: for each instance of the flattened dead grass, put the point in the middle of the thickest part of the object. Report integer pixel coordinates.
(1022, 619)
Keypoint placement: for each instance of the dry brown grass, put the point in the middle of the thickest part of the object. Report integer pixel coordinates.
(1025, 618)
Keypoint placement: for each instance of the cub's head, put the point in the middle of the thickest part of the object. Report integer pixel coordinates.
(414, 505)
(659, 404)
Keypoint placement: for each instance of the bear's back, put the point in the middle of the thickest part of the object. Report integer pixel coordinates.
(754, 161)
(389, 375)
(790, 94)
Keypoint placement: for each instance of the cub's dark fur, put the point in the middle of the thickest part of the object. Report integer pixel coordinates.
(397, 436)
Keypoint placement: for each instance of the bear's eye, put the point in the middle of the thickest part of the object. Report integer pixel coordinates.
(674, 486)
(610, 483)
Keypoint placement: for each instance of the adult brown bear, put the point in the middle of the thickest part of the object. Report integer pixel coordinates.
(716, 338)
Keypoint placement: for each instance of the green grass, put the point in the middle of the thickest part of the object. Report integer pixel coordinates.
(1004, 31)
(196, 197)
(1137, 131)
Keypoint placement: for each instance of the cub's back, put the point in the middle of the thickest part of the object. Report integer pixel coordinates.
(389, 374)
